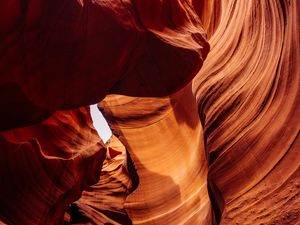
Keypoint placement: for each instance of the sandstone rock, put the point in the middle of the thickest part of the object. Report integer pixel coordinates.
(60, 55)
(215, 146)
(45, 167)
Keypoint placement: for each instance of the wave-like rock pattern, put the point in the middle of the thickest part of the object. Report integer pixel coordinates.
(45, 167)
(248, 93)
(164, 139)
(64, 54)
(58, 55)
(248, 96)
(236, 125)
(103, 203)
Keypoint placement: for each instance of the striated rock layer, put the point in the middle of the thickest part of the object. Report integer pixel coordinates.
(104, 202)
(231, 133)
(248, 96)
(45, 167)
(164, 139)
(58, 55)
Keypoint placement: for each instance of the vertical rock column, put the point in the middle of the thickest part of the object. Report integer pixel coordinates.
(164, 138)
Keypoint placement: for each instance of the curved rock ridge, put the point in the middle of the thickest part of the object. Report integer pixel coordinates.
(248, 96)
(103, 203)
(209, 13)
(58, 55)
(50, 54)
(163, 138)
(45, 167)
(229, 131)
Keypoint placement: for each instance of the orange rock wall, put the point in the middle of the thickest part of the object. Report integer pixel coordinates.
(220, 147)
(248, 97)
(164, 138)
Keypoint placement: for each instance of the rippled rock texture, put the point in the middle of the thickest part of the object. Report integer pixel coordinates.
(248, 97)
(64, 54)
(45, 167)
(202, 98)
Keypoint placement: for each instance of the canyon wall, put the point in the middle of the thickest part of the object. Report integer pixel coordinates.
(202, 98)
(248, 97)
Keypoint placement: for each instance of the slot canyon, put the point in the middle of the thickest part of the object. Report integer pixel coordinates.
(201, 96)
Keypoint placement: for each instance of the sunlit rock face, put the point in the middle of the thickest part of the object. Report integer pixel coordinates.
(248, 97)
(164, 138)
(220, 147)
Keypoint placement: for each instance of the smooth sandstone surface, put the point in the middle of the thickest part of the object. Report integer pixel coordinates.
(191, 145)
(162, 138)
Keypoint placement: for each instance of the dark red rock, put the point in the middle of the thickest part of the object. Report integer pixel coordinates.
(45, 167)
(62, 54)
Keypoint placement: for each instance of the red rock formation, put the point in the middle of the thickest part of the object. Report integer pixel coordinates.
(45, 167)
(58, 55)
(164, 139)
(104, 202)
(248, 96)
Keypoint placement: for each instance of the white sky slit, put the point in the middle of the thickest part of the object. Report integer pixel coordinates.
(100, 123)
